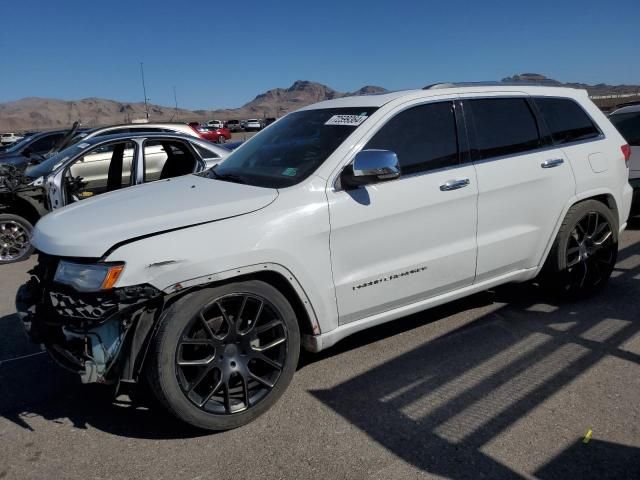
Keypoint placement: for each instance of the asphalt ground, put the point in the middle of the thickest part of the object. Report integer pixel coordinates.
(504, 384)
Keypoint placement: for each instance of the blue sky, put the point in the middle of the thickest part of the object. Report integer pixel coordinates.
(221, 54)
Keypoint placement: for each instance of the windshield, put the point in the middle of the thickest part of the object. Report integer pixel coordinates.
(52, 163)
(291, 149)
(19, 145)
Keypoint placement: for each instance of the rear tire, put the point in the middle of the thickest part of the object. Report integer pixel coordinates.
(584, 252)
(223, 356)
(221, 139)
(15, 239)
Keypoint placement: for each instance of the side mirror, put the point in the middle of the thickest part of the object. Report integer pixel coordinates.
(370, 166)
(27, 152)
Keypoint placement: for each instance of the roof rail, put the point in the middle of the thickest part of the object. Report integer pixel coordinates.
(436, 86)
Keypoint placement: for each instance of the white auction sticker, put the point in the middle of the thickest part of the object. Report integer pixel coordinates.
(349, 120)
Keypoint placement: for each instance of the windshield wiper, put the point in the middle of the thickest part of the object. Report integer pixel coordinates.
(229, 177)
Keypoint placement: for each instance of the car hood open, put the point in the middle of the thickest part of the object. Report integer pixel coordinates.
(91, 227)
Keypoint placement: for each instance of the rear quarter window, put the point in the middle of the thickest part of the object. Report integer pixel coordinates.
(566, 120)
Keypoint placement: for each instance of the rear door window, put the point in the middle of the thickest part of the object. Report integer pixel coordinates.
(567, 121)
(628, 124)
(503, 126)
(423, 137)
(166, 159)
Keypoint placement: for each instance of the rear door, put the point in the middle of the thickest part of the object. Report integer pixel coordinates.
(523, 182)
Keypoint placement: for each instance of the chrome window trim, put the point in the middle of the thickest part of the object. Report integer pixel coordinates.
(543, 148)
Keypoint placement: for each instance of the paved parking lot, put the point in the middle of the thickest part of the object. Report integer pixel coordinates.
(501, 385)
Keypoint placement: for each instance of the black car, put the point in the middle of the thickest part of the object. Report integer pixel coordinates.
(35, 148)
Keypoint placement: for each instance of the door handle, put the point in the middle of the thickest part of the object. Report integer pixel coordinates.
(552, 163)
(454, 184)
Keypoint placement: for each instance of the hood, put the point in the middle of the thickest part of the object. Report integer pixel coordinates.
(90, 227)
(16, 159)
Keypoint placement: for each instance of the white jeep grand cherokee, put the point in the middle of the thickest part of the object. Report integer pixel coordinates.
(340, 216)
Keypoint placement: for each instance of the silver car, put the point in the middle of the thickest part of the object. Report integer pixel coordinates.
(135, 128)
(89, 168)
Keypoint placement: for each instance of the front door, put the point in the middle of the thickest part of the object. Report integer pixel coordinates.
(405, 240)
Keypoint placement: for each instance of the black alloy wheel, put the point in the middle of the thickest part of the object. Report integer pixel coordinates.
(223, 355)
(232, 353)
(15, 239)
(584, 252)
(590, 252)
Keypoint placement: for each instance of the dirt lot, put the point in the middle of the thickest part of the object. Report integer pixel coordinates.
(502, 385)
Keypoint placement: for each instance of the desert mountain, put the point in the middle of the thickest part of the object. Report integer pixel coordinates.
(43, 113)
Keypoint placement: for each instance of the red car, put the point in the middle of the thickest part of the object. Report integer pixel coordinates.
(218, 135)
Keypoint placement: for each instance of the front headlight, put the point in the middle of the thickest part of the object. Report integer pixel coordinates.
(88, 277)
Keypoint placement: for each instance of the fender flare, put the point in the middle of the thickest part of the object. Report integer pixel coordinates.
(248, 270)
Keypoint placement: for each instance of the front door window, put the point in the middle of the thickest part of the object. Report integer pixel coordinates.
(103, 169)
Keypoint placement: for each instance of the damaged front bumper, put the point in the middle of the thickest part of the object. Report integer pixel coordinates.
(97, 335)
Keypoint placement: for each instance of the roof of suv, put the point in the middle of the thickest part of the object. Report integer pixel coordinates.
(445, 89)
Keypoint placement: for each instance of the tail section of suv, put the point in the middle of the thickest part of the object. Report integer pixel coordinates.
(340, 216)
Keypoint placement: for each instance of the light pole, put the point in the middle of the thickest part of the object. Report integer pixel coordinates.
(144, 91)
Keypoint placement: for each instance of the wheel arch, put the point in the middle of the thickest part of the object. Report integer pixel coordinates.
(273, 274)
(22, 208)
(602, 196)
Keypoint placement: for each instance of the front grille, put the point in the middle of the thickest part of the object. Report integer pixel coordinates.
(83, 307)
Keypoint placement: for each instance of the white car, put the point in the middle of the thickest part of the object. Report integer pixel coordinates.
(253, 124)
(340, 216)
(215, 123)
(9, 138)
(627, 121)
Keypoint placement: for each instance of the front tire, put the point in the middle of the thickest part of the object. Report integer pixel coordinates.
(584, 252)
(221, 139)
(15, 239)
(223, 356)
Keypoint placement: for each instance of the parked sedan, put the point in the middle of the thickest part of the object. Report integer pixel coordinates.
(87, 169)
(9, 138)
(233, 125)
(34, 147)
(213, 134)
